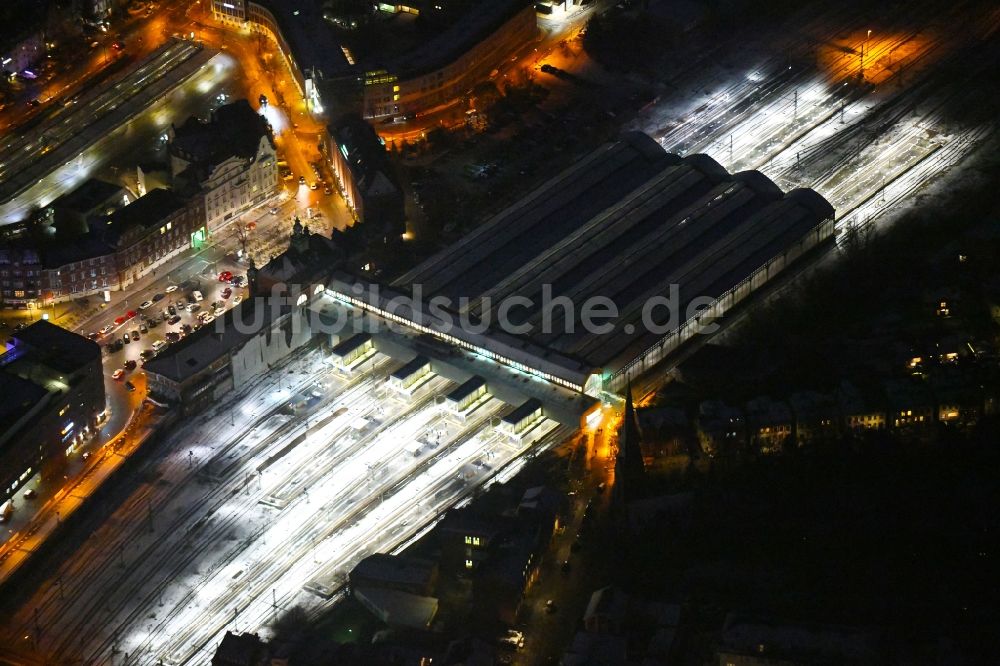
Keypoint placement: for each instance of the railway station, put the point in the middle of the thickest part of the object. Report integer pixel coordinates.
(670, 244)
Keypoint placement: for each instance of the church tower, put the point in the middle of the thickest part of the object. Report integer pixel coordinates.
(630, 470)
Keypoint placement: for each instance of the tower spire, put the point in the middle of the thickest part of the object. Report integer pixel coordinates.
(629, 467)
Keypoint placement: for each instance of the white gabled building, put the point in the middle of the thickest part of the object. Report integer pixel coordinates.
(231, 159)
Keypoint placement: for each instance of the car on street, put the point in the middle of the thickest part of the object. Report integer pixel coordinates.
(172, 336)
(237, 300)
(130, 314)
(550, 607)
(227, 292)
(107, 329)
(146, 304)
(565, 567)
(129, 365)
(118, 345)
(239, 281)
(143, 328)
(186, 329)
(302, 180)
(119, 321)
(135, 335)
(512, 639)
(208, 319)
(173, 320)
(197, 295)
(129, 386)
(30, 494)
(327, 191)
(171, 310)
(147, 354)
(273, 211)
(171, 289)
(225, 276)
(118, 374)
(159, 346)
(314, 186)
(93, 336)
(158, 297)
(193, 307)
(126, 338)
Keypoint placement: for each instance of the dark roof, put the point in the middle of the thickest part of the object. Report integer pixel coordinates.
(18, 396)
(146, 211)
(408, 368)
(365, 155)
(309, 37)
(235, 129)
(466, 389)
(526, 408)
(480, 20)
(350, 344)
(84, 247)
(58, 348)
(626, 222)
(208, 344)
(240, 650)
(88, 196)
(19, 19)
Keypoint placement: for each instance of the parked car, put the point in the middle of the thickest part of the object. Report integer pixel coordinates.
(193, 307)
(159, 346)
(146, 304)
(130, 314)
(130, 387)
(126, 338)
(171, 289)
(120, 320)
(225, 276)
(135, 335)
(129, 365)
(147, 354)
(227, 292)
(197, 296)
(30, 494)
(237, 300)
(158, 297)
(172, 336)
(118, 374)
(173, 320)
(143, 328)
(107, 329)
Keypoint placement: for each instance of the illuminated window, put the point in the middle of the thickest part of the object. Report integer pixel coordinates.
(468, 564)
(468, 540)
(475, 541)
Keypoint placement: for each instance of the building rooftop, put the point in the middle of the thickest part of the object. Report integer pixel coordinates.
(57, 348)
(394, 569)
(478, 21)
(235, 129)
(19, 396)
(146, 211)
(625, 223)
(208, 344)
(88, 198)
(365, 155)
(309, 37)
